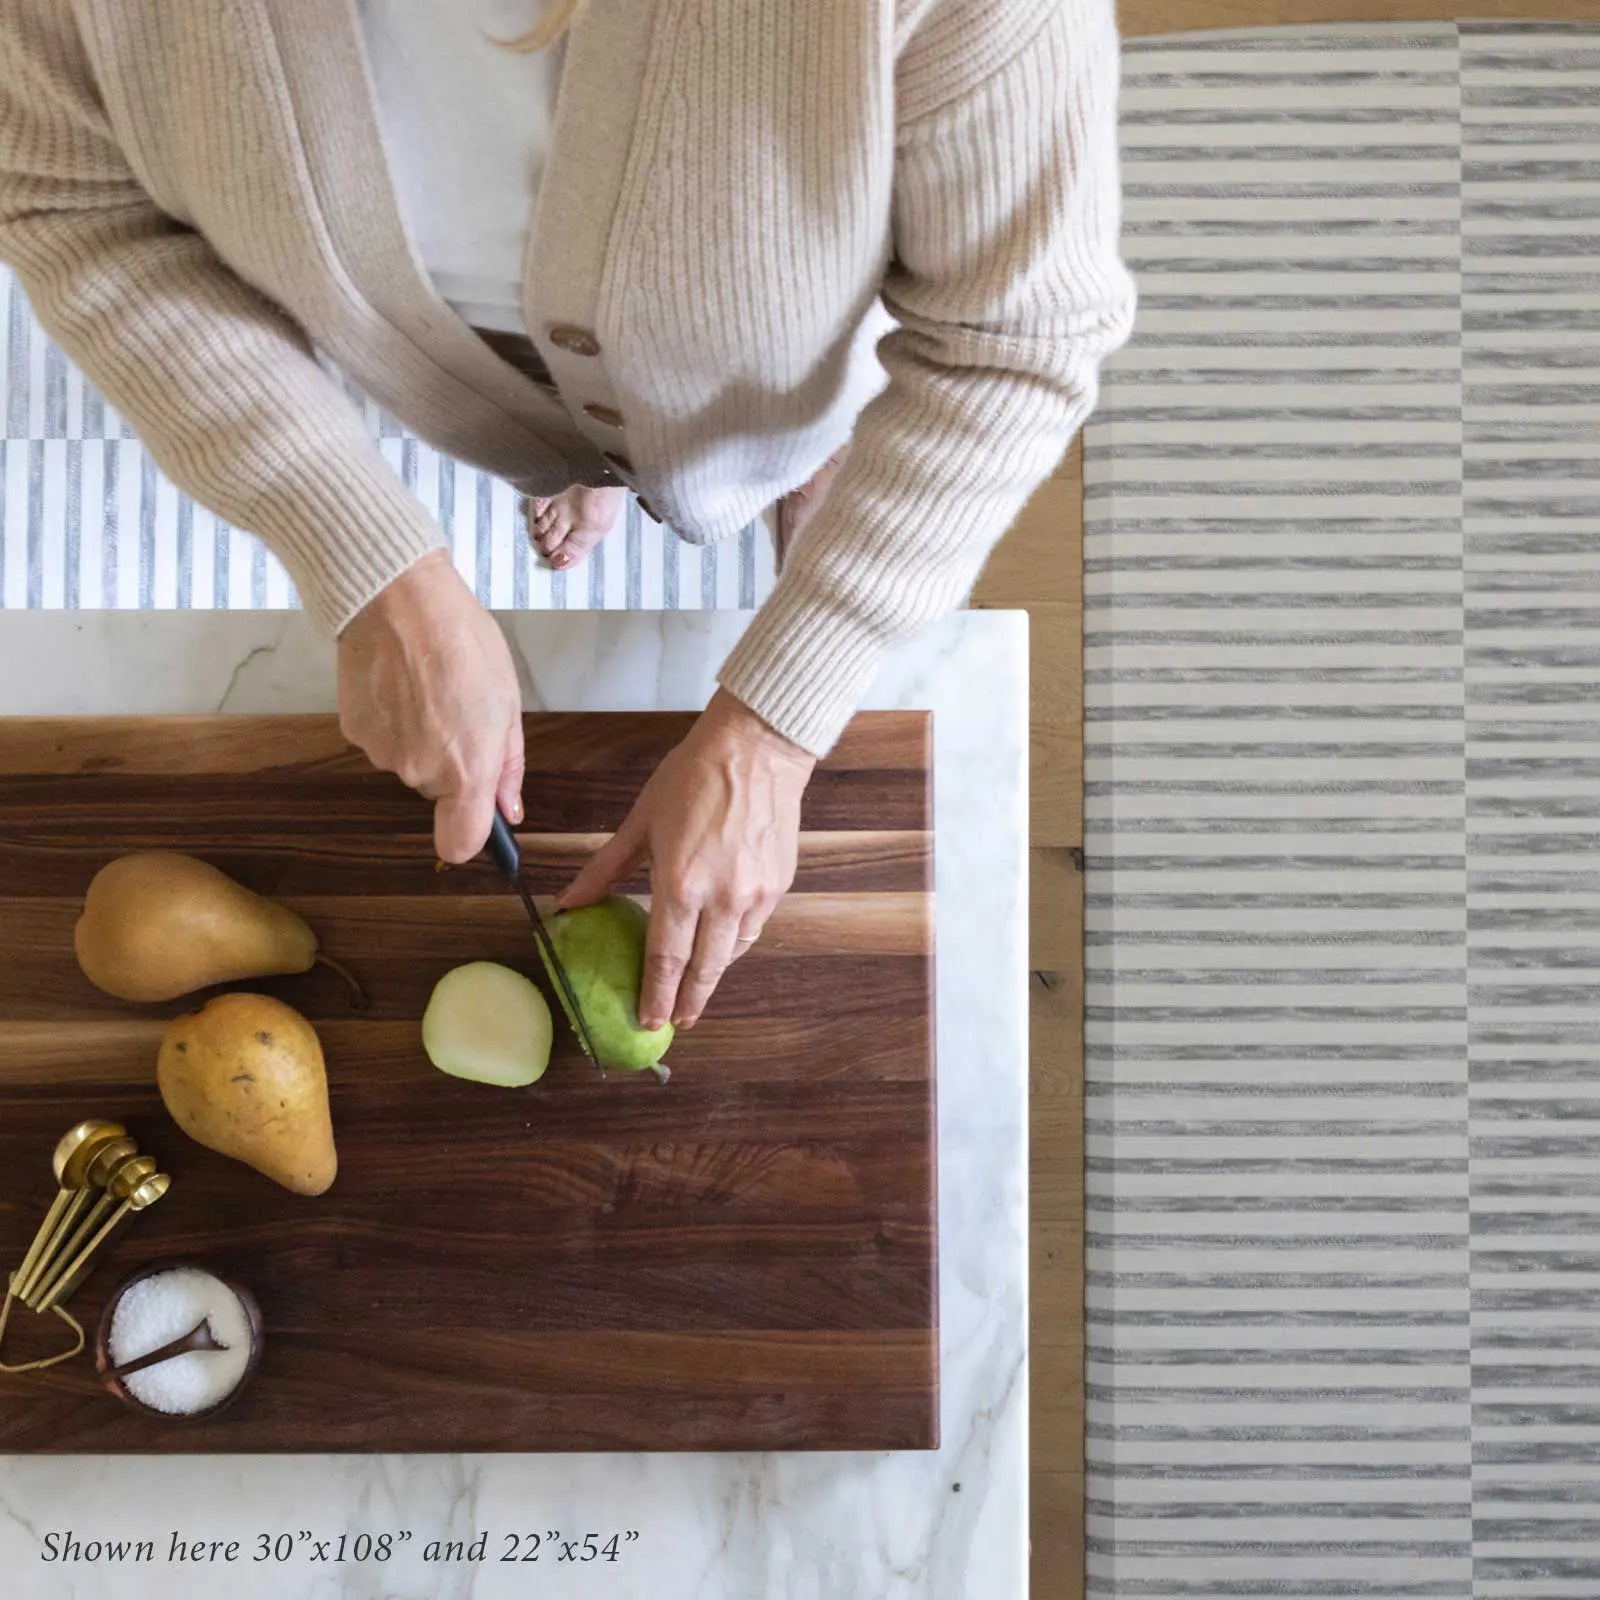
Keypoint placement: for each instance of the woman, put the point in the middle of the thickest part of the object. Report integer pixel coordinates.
(665, 277)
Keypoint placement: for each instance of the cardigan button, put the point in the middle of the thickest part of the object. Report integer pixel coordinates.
(609, 415)
(575, 341)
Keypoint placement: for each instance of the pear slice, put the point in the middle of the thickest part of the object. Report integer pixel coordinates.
(488, 1024)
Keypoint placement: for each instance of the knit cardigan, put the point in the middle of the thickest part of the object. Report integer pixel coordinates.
(196, 200)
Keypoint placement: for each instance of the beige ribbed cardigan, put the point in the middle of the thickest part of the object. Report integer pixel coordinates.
(196, 199)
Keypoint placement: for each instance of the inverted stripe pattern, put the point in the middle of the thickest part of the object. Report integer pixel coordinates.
(1531, 422)
(1343, 744)
(86, 519)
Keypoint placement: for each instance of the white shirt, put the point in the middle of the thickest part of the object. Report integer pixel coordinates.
(467, 127)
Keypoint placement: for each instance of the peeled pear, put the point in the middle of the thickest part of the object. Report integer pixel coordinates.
(602, 948)
(244, 1076)
(157, 925)
(488, 1024)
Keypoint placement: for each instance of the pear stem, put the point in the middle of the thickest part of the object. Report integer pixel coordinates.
(358, 995)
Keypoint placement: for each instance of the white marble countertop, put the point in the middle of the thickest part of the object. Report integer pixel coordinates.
(950, 1524)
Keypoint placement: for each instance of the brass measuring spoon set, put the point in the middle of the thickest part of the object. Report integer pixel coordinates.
(102, 1180)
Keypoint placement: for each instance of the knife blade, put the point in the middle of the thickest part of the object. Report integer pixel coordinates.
(503, 847)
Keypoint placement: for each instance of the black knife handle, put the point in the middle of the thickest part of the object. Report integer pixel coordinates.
(503, 847)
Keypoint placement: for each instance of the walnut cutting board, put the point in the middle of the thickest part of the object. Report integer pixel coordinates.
(742, 1258)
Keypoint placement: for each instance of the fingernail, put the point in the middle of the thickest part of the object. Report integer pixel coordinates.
(516, 810)
(560, 559)
(651, 1024)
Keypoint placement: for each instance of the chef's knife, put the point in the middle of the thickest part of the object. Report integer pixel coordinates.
(503, 847)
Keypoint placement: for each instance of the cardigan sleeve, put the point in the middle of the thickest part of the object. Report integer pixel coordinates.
(221, 385)
(1009, 291)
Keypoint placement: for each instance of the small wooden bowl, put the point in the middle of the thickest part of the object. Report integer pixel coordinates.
(102, 1341)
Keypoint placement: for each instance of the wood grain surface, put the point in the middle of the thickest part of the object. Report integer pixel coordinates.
(742, 1258)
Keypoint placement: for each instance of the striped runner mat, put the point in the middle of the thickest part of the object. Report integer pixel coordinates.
(87, 520)
(1343, 772)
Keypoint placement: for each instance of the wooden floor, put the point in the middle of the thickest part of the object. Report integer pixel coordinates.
(1039, 568)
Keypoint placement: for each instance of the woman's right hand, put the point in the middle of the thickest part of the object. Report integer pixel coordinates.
(428, 691)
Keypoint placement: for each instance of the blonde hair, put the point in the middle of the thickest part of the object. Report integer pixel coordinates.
(547, 30)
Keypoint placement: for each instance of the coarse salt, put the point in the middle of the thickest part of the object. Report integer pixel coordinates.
(165, 1306)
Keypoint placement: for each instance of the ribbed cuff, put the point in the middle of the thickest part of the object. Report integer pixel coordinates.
(803, 666)
(362, 536)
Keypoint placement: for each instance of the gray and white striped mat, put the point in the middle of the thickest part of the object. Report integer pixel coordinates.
(1343, 661)
(87, 521)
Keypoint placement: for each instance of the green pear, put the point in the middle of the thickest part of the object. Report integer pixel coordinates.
(602, 948)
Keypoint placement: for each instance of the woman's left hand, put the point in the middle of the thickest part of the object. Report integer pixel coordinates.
(719, 823)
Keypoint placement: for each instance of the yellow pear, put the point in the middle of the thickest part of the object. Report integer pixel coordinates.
(244, 1076)
(157, 925)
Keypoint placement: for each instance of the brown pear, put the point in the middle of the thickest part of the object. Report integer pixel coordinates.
(157, 925)
(244, 1076)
